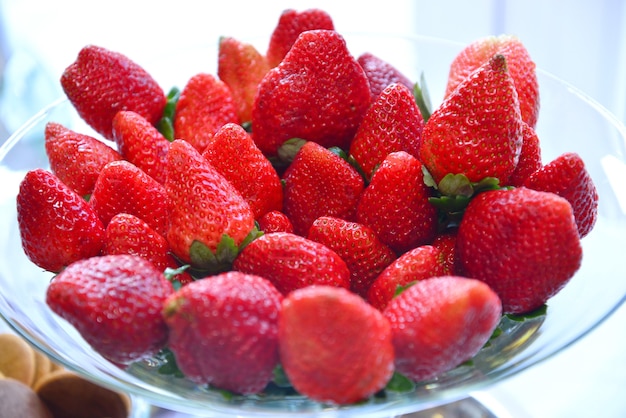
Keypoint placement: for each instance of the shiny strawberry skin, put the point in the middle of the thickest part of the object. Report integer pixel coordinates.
(76, 159)
(123, 187)
(523, 243)
(365, 255)
(568, 177)
(100, 82)
(439, 323)
(205, 105)
(529, 158)
(275, 221)
(233, 153)
(291, 262)
(381, 74)
(236, 346)
(57, 226)
(319, 183)
(318, 93)
(334, 347)
(477, 130)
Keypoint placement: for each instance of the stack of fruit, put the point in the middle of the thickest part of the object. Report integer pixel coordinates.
(303, 210)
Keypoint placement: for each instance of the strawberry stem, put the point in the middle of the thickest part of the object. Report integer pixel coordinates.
(422, 98)
(166, 124)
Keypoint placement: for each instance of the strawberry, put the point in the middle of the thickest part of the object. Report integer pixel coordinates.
(521, 242)
(420, 263)
(365, 255)
(477, 130)
(76, 159)
(57, 226)
(236, 346)
(395, 204)
(392, 123)
(103, 298)
(568, 177)
(446, 243)
(519, 61)
(334, 347)
(241, 67)
(275, 221)
(291, 262)
(205, 104)
(290, 25)
(141, 143)
(529, 158)
(99, 83)
(208, 217)
(439, 323)
(380, 73)
(234, 155)
(319, 183)
(318, 93)
(123, 187)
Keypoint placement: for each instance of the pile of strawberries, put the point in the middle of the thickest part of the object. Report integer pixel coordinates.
(303, 208)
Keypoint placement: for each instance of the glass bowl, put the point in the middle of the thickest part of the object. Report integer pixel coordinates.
(568, 121)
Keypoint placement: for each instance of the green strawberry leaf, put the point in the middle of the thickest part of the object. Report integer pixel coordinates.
(400, 383)
(541, 311)
(402, 288)
(166, 124)
(280, 378)
(172, 273)
(288, 150)
(422, 98)
(168, 363)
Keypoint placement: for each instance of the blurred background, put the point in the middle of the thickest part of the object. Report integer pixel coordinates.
(582, 42)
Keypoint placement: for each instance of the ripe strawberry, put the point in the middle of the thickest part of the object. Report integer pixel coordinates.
(392, 123)
(446, 243)
(319, 183)
(521, 242)
(206, 211)
(395, 204)
(357, 245)
(568, 177)
(235, 347)
(291, 262)
(521, 68)
(334, 347)
(290, 25)
(57, 226)
(103, 297)
(529, 158)
(99, 83)
(419, 263)
(275, 221)
(122, 187)
(205, 105)
(381, 74)
(440, 323)
(318, 93)
(477, 130)
(234, 155)
(141, 143)
(76, 159)
(241, 67)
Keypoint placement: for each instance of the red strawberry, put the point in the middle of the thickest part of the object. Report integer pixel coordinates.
(477, 130)
(291, 262)
(395, 204)
(290, 25)
(440, 323)
(319, 183)
(334, 347)
(57, 226)
(206, 210)
(236, 346)
(103, 297)
(141, 143)
(529, 158)
(380, 74)
(318, 93)
(122, 187)
(392, 123)
(205, 105)
(275, 221)
(446, 243)
(76, 159)
(234, 155)
(521, 242)
(417, 264)
(100, 83)
(241, 67)
(568, 177)
(357, 245)
(521, 68)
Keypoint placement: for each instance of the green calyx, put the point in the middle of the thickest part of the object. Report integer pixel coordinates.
(165, 125)
(422, 98)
